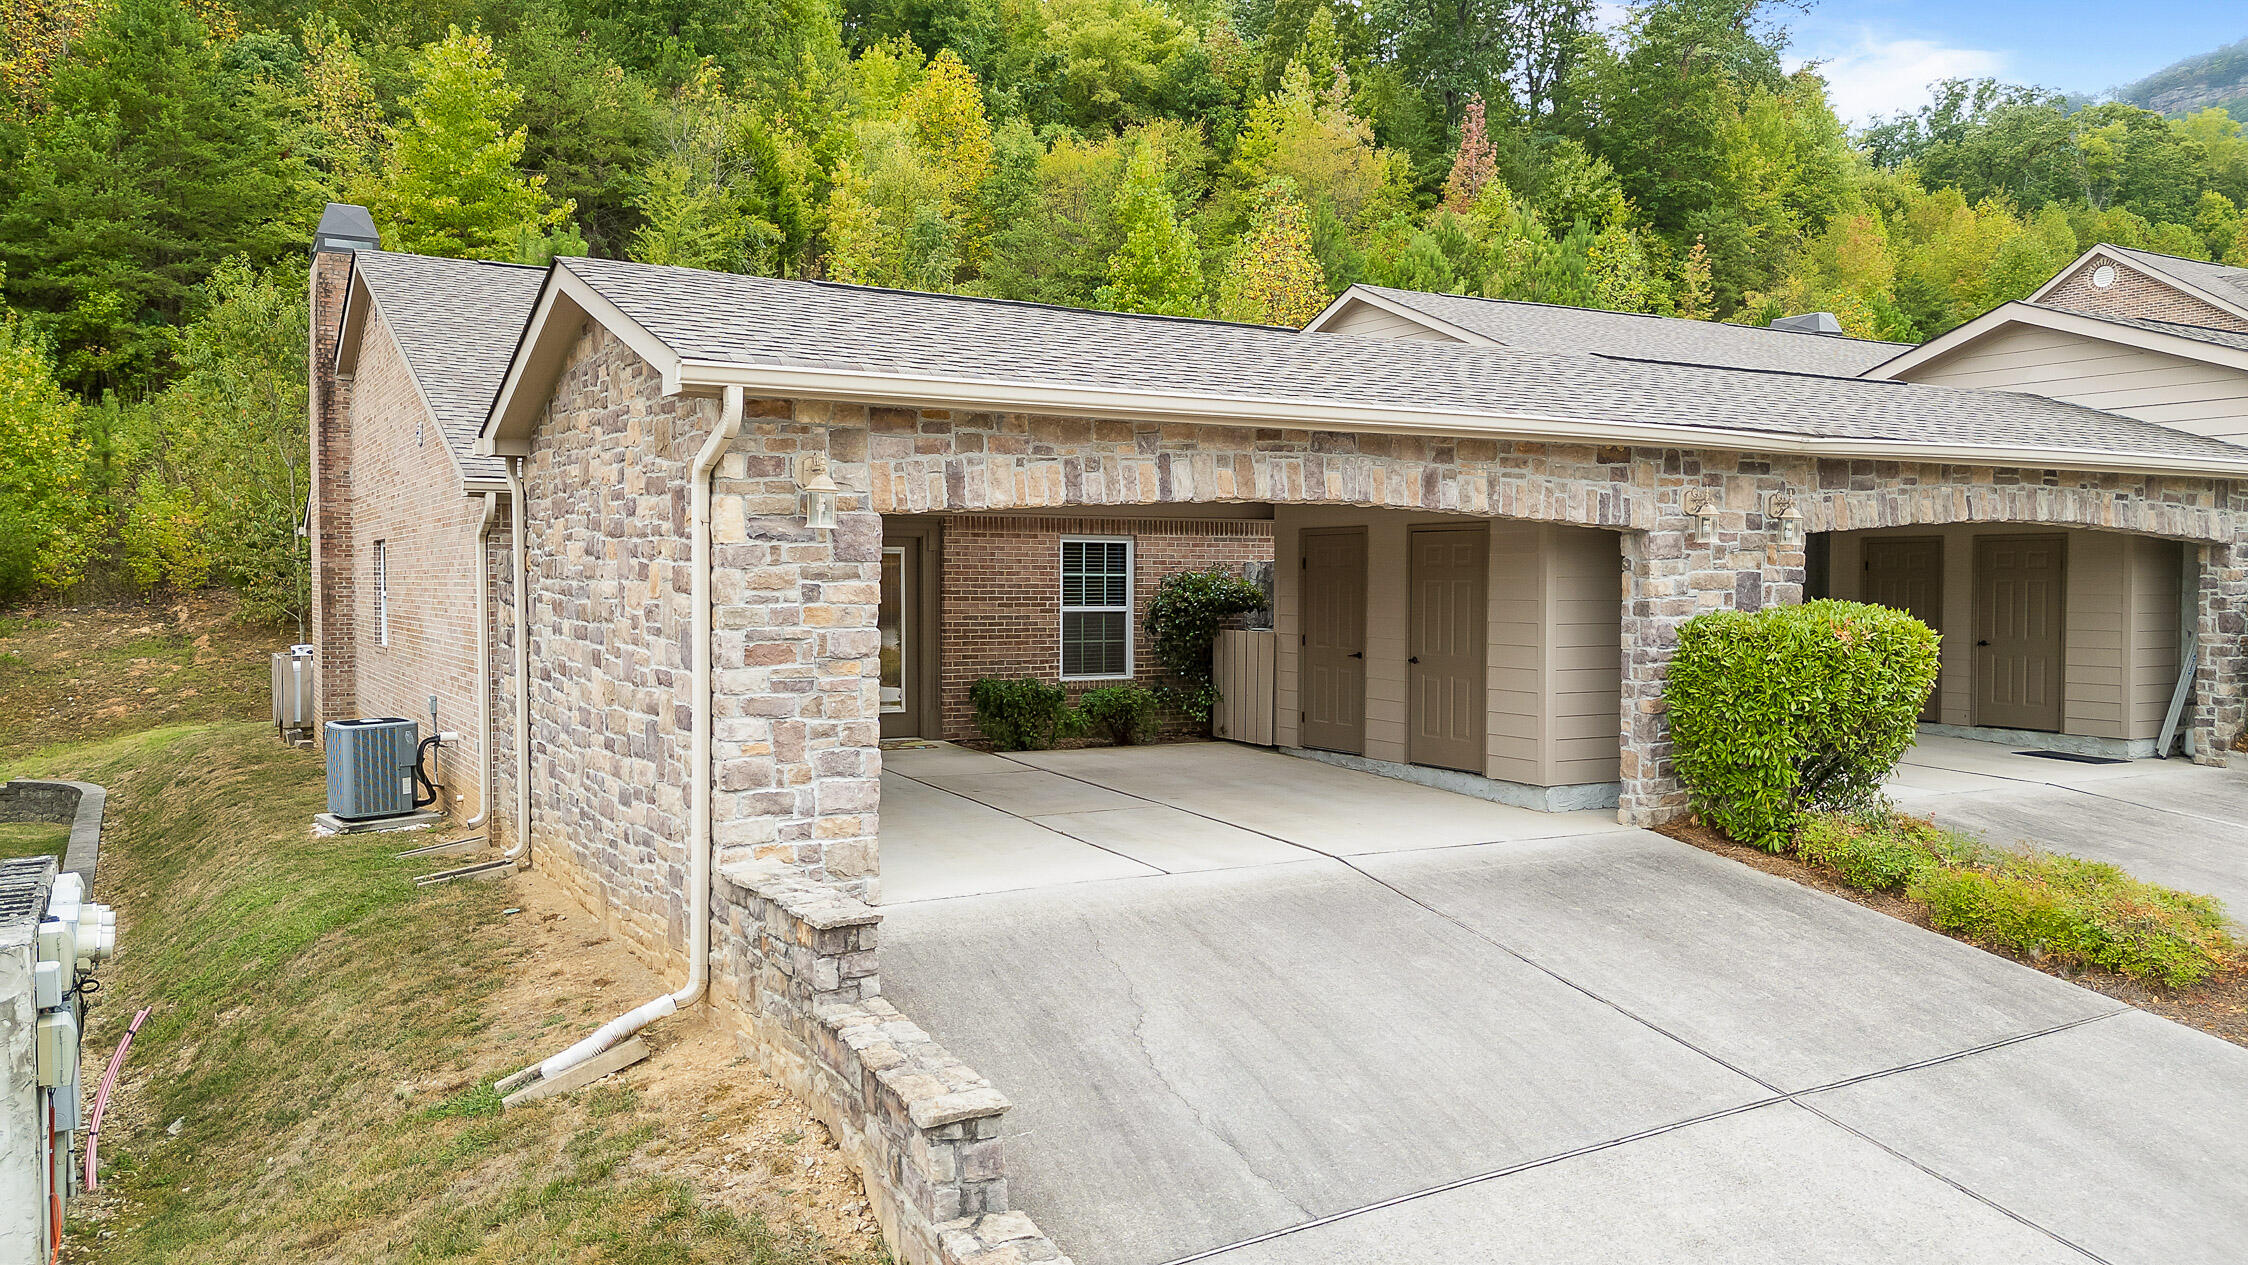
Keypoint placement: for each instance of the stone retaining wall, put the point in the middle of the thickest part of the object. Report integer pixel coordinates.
(79, 803)
(798, 957)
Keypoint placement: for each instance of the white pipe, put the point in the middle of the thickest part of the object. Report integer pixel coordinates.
(484, 659)
(521, 852)
(698, 770)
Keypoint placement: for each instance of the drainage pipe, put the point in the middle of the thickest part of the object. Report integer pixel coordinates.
(484, 660)
(698, 770)
(521, 853)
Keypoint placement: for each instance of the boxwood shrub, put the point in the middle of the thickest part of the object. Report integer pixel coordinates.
(1778, 713)
(1023, 713)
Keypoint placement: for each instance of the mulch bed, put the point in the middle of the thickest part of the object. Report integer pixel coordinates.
(2218, 1006)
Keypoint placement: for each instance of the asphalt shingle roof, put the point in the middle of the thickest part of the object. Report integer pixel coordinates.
(457, 321)
(816, 325)
(1546, 327)
(2228, 283)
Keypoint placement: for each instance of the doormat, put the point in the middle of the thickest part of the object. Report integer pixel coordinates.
(2073, 758)
(908, 744)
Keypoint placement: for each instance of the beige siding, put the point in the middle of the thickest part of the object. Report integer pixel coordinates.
(2119, 637)
(2189, 395)
(1553, 643)
(1367, 321)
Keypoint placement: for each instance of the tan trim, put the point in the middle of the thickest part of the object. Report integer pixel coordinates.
(565, 297)
(2116, 255)
(1359, 294)
(2062, 321)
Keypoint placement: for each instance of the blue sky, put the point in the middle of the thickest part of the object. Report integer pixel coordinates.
(1881, 54)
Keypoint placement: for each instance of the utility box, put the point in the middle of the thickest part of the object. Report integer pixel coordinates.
(292, 694)
(371, 767)
(51, 938)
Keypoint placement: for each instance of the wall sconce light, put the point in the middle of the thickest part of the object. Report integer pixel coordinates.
(1780, 508)
(819, 493)
(1701, 517)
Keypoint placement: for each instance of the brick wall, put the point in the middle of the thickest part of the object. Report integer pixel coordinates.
(2135, 294)
(329, 502)
(1002, 592)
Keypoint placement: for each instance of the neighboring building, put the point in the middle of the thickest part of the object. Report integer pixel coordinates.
(1381, 312)
(407, 353)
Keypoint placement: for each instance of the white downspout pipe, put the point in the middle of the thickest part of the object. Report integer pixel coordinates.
(520, 854)
(698, 770)
(484, 659)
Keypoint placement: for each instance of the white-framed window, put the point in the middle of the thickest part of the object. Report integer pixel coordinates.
(1096, 607)
(382, 592)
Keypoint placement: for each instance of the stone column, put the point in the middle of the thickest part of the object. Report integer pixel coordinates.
(796, 652)
(2216, 711)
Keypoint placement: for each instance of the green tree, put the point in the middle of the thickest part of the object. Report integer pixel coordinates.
(150, 163)
(1157, 266)
(450, 184)
(591, 127)
(48, 526)
(1273, 277)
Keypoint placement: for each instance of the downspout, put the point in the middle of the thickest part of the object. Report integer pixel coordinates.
(484, 659)
(520, 854)
(698, 769)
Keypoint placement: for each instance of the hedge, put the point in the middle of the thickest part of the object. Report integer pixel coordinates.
(1790, 710)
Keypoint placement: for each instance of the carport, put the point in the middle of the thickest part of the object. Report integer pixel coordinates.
(1253, 1008)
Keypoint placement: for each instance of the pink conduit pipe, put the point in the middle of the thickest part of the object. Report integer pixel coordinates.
(101, 1100)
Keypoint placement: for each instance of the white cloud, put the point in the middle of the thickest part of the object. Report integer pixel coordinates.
(1871, 76)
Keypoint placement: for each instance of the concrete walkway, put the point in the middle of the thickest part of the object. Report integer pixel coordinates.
(2169, 821)
(1319, 1016)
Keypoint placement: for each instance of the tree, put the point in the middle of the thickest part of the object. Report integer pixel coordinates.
(1476, 162)
(450, 184)
(591, 127)
(1157, 266)
(150, 163)
(1693, 300)
(1274, 278)
(47, 522)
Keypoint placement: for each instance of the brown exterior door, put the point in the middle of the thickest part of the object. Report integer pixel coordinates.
(1908, 575)
(1446, 670)
(907, 618)
(1334, 640)
(2018, 615)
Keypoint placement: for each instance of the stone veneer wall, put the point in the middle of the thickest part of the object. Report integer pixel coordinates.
(2135, 294)
(1002, 593)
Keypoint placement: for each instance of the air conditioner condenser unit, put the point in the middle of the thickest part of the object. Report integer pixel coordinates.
(371, 767)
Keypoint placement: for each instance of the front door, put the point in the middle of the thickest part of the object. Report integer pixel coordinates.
(1446, 670)
(2018, 631)
(907, 619)
(1334, 640)
(1908, 575)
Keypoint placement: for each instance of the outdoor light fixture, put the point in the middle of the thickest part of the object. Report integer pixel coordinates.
(1701, 517)
(1779, 507)
(819, 493)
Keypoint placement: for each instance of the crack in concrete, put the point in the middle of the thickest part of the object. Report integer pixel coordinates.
(1202, 1118)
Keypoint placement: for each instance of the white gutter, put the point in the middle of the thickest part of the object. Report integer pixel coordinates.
(521, 852)
(948, 391)
(484, 659)
(698, 771)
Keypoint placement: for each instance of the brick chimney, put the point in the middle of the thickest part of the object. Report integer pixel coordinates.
(343, 229)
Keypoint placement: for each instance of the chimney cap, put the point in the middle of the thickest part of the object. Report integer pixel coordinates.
(344, 227)
(1810, 323)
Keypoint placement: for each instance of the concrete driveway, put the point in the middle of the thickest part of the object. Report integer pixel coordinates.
(1254, 1009)
(2169, 821)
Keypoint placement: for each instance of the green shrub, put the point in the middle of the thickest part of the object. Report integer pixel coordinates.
(2080, 912)
(1791, 710)
(1183, 619)
(1023, 713)
(1125, 711)
(1867, 852)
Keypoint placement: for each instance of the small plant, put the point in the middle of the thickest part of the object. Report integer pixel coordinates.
(1023, 713)
(1126, 712)
(1183, 620)
(1792, 710)
(2047, 905)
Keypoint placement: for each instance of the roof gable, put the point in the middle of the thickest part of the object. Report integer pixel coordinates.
(456, 323)
(1624, 335)
(2143, 284)
(2192, 342)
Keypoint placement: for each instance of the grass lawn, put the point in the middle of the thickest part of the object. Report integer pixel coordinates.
(314, 1084)
(33, 839)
